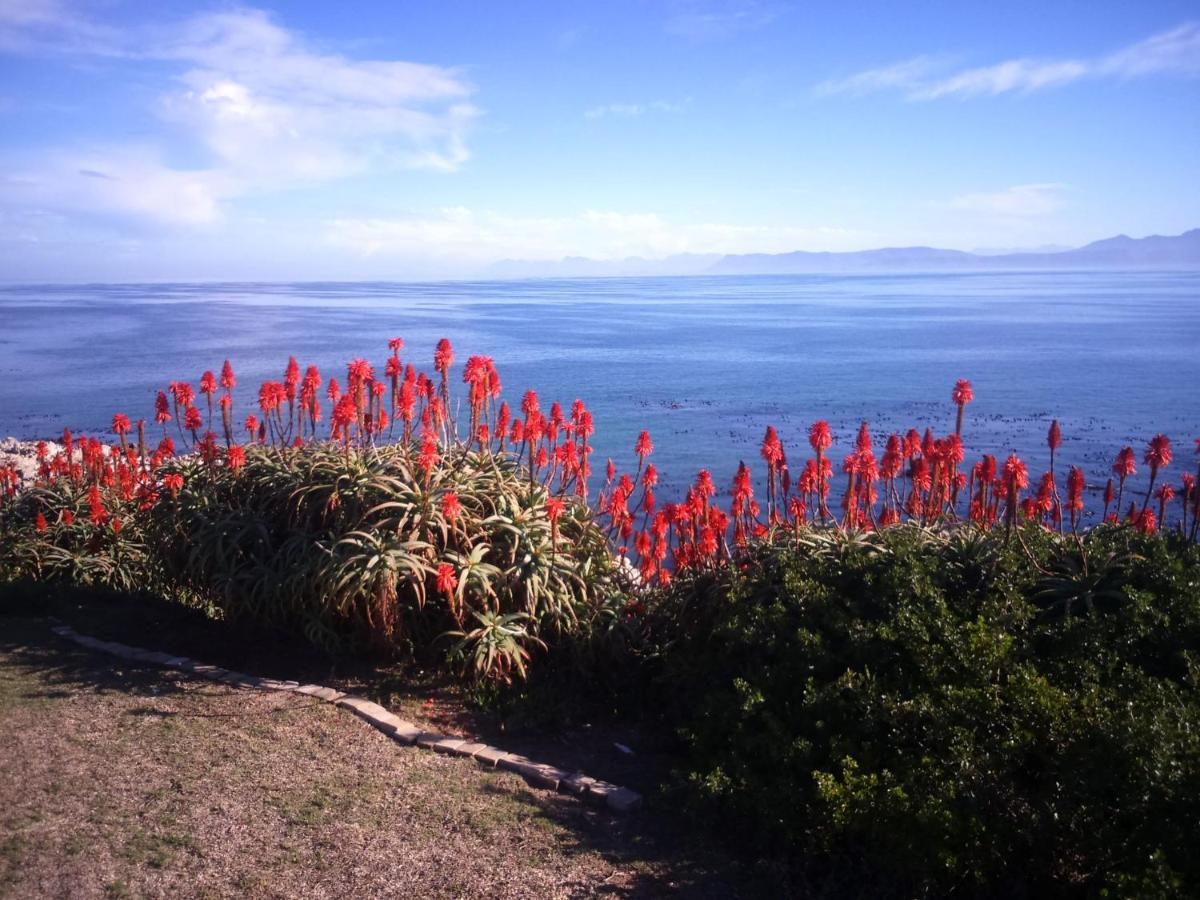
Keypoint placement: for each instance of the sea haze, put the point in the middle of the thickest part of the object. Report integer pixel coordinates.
(704, 363)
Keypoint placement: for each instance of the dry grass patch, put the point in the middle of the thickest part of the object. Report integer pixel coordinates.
(120, 780)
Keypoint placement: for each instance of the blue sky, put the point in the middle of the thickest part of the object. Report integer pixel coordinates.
(412, 139)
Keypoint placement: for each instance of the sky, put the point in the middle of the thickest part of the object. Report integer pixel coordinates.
(405, 139)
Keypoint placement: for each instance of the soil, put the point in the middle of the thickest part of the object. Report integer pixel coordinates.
(120, 780)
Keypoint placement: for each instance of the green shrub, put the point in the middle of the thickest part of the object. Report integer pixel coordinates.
(351, 547)
(925, 713)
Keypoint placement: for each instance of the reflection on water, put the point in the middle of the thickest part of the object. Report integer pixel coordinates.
(704, 363)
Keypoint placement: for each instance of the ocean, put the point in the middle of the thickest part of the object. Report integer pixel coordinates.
(703, 363)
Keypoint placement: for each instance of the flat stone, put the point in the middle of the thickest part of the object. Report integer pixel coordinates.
(623, 800)
(598, 791)
(468, 748)
(489, 756)
(427, 739)
(155, 657)
(385, 721)
(576, 784)
(214, 673)
(239, 679)
(371, 713)
(359, 705)
(321, 693)
(63, 630)
(86, 641)
(449, 745)
(539, 776)
(274, 684)
(535, 773)
(405, 732)
(141, 654)
(176, 662)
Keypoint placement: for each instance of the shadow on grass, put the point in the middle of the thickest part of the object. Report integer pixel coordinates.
(654, 852)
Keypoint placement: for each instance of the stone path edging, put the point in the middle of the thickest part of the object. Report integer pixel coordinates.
(540, 775)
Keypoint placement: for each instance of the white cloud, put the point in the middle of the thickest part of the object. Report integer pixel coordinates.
(127, 182)
(1022, 200)
(459, 233)
(632, 110)
(1171, 52)
(265, 109)
(899, 75)
(709, 19)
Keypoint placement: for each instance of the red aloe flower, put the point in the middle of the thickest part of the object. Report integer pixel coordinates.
(1075, 488)
(193, 422)
(428, 457)
(1164, 495)
(228, 381)
(1015, 478)
(451, 508)
(396, 344)
(447, 579)
(1123, 466)
(961, 395)
(1015, 473)
(1054, 436)
(235, 458)
(650, 476)
(39, 522)
(819, 436)
(162, 412)
(345, 413)
(443, 357)
(1158, 454)
(644, 447)
(821, 439)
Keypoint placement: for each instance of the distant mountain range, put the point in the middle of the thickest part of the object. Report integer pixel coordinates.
(1178, 251)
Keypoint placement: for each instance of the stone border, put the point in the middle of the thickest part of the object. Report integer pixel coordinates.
(539, 775)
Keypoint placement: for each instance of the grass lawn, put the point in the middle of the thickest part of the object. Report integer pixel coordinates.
(127, 781)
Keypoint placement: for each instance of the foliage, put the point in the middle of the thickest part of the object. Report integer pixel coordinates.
(932, 712)
(344, 545)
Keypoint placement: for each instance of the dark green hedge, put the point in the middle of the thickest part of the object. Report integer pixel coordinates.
(917, 714)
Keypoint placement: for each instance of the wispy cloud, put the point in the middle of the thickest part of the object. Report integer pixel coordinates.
(484, 236)
(709, 19)
(923, 78)
(1018, 201)
(632, 110)
(261, 107)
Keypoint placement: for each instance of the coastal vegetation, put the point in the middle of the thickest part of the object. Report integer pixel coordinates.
(909, 674)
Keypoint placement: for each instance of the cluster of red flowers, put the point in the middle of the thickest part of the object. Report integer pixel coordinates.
(919, 477)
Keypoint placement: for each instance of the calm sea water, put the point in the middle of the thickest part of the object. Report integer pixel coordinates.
(703, 363)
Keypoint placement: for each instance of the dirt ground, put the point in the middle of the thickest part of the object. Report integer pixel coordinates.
(119, 780)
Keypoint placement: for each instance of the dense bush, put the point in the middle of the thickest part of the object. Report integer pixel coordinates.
(369, 541)
(920, 712)
(349, 547)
